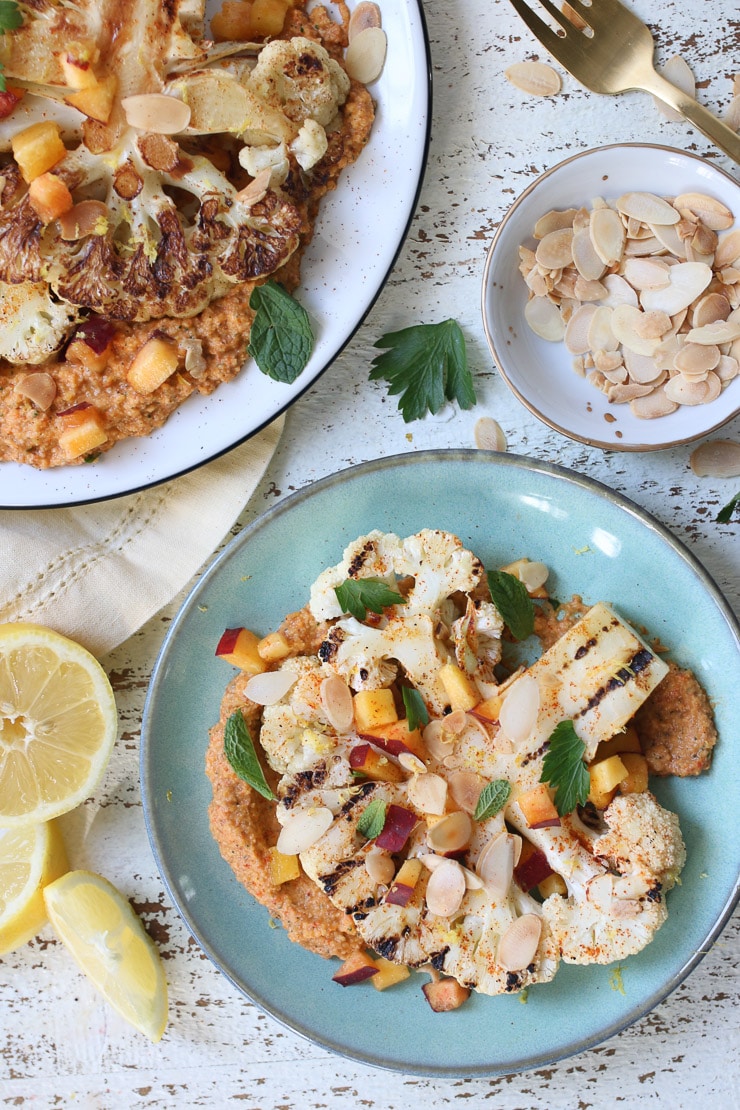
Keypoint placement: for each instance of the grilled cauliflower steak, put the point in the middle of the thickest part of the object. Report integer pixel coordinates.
(151, 177)
(389, 816)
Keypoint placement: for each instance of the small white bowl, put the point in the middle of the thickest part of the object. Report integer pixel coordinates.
(540, 373)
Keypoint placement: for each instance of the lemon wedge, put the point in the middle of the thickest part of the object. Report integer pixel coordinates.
(108, 941)
(30, 857)
(58, 724)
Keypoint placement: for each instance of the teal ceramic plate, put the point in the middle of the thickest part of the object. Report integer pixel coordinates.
(503, 506)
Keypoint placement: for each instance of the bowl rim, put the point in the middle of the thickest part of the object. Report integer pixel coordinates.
(590, 441)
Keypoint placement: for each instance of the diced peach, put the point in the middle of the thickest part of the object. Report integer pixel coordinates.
(95, 102)
(489, 708)
(396, 738)
(636, 781)
(459, 688)
(402, 887)
(273, 647)
(374, 764)
(78, 72)
(444, 995)
(233, 23)
(78, 351)
(268, 17)
(49, 197)
(553, 884)
(627, 741)
(355, 969)
(538, 807)
(605, 777)
(84, 431)
(9, 97)
(154, 364)
(283, 868)
(532, 867)
(388, 973)
(37, 148)
(238, 646)
(372, 708)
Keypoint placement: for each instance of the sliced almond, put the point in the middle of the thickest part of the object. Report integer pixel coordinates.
(721, 331)
(489, 435)
(518, 946)
(520, 708)
(600, 335)
(611, 365)
(89, 217)
(607, 235)
(445, 889)
(365, 55)
(156, 112)
(544, 319)
(647, 208)
(465, 788)
(303, 828)
(642, 369)
(588, 290)
(618, 291)
(668, 237)
(451, 833)
(653, 325)
(576, 332)
(380, 866)
(621, 394)
(495, 865)
(709, 309)
(728, 250)
(727, 369)
(535, 78)
(718, 458)
(586, 260)
(685, 392)
(688, 281)
(428, 793)
(553, 221)
(269, 687)
(254, 192)
(625, 322)
(695, 359)
(555, 250)
(641, 248)
(646, 273)
(365, 15)
(712, 212)
(337, 703)
(40, 389)
(653, 405)
(438, 741)
(677, 71)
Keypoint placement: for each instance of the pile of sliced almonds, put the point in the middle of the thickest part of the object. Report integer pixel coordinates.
(645, 294)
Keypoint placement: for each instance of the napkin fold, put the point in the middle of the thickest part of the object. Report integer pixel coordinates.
(97, 573)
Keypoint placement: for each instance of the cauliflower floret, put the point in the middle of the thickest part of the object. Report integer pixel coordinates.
(301, 78)
(295, 732)
(310, 144)
(32, 325)
(371, 556)
(254, 159)
(643, 839)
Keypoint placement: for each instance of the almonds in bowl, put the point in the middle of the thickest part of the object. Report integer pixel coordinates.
(611, 299)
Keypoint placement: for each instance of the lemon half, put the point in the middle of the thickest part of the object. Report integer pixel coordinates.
(58, 724)
(111, 946)
(30, 857)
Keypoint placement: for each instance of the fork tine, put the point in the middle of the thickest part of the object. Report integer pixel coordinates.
(560, 18)
(537, 26)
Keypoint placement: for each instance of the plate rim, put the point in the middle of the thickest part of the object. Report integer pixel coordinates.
(98, 498)
(589, 441)
(264, 519)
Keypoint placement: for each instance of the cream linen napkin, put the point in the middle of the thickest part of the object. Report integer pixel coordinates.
(97, 573)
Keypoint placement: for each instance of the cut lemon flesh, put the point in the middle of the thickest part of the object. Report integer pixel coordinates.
(111, 946)
(58, 723)
(30, 857)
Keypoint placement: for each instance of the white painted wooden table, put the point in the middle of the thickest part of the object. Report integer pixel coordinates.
(60, 1046)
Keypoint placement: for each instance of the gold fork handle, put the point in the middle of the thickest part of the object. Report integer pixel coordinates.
(720, 134)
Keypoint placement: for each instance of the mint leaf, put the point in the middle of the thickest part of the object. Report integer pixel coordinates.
(357, 595)
(725, 515)
(416, 711)
(492, 798)
(372, 819)
(427, 365)
(239, 750)
(11, 16)
(513, 603)
(281, 339)
(563, 768)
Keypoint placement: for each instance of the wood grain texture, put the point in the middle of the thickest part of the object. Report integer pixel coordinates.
(61, 1046)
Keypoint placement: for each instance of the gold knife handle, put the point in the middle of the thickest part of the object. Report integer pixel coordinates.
(720, 134)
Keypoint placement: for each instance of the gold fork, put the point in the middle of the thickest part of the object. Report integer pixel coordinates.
(609, 50)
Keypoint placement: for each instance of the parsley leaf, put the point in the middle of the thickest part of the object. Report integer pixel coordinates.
(11, 17)
(239, 750)
(492, 798)
(416, 711)
(563, 768)
(357, 595)
(372, 819)
(427, 365)
(513, 603)
(281, 339)
(725, 515)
